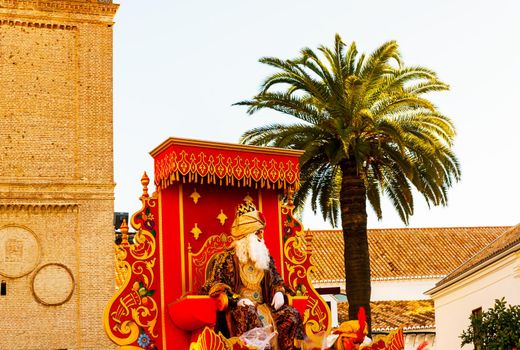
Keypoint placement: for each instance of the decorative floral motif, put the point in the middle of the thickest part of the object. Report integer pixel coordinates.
(143, 340)
(139, 287)
(147, 221)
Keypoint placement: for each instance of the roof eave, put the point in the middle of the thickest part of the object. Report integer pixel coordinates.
(443, 285)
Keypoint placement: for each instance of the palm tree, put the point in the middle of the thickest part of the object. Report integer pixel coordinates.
(367, 131)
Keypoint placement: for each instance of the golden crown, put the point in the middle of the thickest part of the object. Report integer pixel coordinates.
(246, 207)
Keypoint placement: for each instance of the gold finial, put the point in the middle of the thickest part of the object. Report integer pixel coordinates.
(124, 233)
(145, 180)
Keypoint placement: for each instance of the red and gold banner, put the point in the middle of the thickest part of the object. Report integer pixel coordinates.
(224, 164)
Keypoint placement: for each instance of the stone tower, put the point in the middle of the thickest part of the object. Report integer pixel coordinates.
(56, 173)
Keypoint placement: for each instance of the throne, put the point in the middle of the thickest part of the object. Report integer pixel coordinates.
(181, 228)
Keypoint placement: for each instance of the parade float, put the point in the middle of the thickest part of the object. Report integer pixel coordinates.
(184, 224)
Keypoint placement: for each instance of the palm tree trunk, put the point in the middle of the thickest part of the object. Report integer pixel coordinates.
(353, 199)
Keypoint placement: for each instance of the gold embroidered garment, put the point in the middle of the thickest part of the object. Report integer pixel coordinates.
(251, 278)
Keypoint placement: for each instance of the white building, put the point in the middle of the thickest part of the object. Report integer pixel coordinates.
(491, 274)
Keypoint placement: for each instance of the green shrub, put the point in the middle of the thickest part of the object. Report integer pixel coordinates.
(495, 329)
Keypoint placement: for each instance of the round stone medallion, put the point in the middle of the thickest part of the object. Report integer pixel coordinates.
(53, 284)
(19, 251)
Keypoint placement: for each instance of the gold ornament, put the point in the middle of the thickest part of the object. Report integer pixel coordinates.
(222, 217)
(196, 231)
(195, 196)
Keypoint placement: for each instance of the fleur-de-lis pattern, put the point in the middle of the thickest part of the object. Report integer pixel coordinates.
(214, 166)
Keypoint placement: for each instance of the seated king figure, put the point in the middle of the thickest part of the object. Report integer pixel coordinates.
(249, 290)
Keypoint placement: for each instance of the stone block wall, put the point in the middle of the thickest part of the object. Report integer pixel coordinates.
(56, 173)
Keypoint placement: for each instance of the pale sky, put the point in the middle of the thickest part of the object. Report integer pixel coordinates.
(180, 65)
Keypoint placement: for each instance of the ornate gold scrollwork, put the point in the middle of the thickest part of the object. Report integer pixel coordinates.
(209, 340)
(198, 261)
(298, 265)
(130, 318)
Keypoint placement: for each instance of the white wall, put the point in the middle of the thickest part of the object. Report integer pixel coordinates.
(401, 289)
(454, 304)
(409, 289)
(333, 308)
(412, 341)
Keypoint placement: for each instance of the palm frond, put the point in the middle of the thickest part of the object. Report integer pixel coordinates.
(288, 104)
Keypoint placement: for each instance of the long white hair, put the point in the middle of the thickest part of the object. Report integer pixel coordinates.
(254, 249)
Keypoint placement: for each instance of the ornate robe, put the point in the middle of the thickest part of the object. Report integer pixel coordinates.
(241, 280)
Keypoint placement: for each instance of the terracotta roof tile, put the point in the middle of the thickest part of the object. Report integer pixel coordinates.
(509, 239)
(403, 253)
(390, 315)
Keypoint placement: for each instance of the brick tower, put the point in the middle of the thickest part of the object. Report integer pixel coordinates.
(56, 173)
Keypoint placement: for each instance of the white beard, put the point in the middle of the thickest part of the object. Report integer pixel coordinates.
(250, 248)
